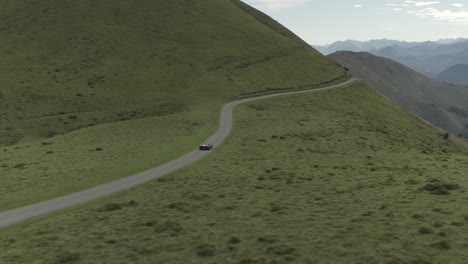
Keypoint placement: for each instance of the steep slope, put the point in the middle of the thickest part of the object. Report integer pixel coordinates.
(343, 176)
(68, 64)
(457, 74)
(441, 104)
(92, 91)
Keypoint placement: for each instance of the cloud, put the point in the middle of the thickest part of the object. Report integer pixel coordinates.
(457, 5)
(275, 5)
(358, 5)
(396, 7)
(415, 3)
(443, 15)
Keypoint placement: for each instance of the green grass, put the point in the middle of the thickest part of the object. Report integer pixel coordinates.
(341, 176)
(105, 61)
(143, 81)
(38, 171)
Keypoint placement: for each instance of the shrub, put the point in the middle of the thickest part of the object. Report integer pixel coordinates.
(67, 257)
(132, 203)
(170, 227)
(281, 250)
(234, 240)
(411, 182)
(442, 245)
(440, 188)
(420, 261)
(260, 260)
(150, 223)
(206, 250)
(456, 224)
(180, 206)
(20, 166)
(117, 206)
(392, 260)
(276, 208)
(425, 230)
(266, 240)
(446, 136)
(110, 207)
(51, 134)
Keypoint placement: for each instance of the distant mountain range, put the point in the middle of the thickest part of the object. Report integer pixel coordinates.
(457, 74)
(376, 44)
(439, 103)
(357, 46)
(429, 58)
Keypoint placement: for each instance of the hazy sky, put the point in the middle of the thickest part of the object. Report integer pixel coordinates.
(325, 21)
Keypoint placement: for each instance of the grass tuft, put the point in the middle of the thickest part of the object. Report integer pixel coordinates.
(206, 250)
(440, 188)
(441, 245)
(68, 257)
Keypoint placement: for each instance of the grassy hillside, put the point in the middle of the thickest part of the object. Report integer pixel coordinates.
(441, 104)
(457, 74)
(91, 91)
(109, 60)
(343, 176)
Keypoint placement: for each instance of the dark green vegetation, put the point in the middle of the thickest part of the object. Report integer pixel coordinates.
(91, 91)
(348, 178)
(457, 74)
(442, 104)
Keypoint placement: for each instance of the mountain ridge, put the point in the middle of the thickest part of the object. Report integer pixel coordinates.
(375, 44)
(429, 57)
(439, 103)
(457, 74)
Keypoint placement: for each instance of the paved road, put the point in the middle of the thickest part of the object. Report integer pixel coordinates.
(17, 215)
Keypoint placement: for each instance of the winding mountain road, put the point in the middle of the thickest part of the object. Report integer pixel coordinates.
(17, 215)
